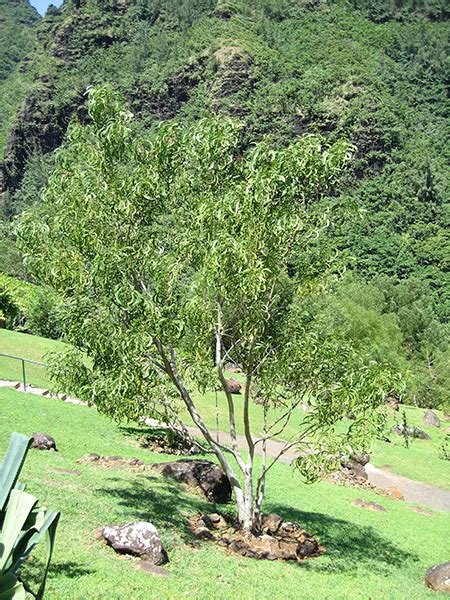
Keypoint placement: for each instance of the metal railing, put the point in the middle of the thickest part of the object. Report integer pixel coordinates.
(24, 360)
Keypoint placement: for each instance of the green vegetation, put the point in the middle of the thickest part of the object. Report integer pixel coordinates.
(372, 72)
(373, 554)
(26, 346)
(23, 524)
(17, 40)
(175, 257)
(29, 307)
(420, 461)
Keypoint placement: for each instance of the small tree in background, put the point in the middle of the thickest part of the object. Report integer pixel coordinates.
(175, 256)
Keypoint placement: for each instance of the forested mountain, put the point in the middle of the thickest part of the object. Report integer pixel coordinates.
(17, 40)
(372, 71)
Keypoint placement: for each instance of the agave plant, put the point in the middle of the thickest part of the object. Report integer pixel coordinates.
(23, 523)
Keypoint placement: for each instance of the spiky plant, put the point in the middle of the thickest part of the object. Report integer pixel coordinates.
(23, 523)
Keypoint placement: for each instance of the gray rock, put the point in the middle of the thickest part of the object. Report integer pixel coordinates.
(431, 418)
(43, 441)
(408, 431)
(139, 539)
(353, 469)
(201, 475)
(438, 577)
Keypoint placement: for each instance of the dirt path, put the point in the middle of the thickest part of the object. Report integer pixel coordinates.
(413, 491)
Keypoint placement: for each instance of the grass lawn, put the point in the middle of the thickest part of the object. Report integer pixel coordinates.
(420, 461)
(32, 347)
(370, 554)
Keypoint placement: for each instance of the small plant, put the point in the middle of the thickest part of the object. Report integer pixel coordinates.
(444, 450)
(23, 523)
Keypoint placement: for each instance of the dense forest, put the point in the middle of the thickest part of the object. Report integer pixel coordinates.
(369, 71)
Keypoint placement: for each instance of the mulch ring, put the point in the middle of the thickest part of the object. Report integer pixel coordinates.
(278, 540)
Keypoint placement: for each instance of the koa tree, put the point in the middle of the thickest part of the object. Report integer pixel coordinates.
(179, 251)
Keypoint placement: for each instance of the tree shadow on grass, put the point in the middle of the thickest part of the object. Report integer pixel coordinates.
(156, 499)
(31, 571)
(140, 433)
(347, 544)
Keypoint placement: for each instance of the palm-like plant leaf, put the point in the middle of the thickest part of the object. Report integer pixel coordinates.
(23, 523)
(12, 465)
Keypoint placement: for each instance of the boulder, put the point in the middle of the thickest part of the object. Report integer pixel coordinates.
(353, 469)
(431, 418)
(438, 577)
(43, 441)
(409, 431)
(203, 476)
(234, 386)
(138, 539)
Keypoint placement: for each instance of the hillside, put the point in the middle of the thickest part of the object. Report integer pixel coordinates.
(360, 70)
(370, 71)
(17, 41)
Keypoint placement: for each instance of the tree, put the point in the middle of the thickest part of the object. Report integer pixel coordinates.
(174, 255)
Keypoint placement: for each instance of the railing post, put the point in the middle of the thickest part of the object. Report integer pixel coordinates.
(24, 380)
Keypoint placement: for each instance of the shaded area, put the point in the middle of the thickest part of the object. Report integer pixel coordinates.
(349, 546)
(155, 499)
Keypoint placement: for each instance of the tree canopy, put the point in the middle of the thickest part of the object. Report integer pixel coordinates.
(180, 251)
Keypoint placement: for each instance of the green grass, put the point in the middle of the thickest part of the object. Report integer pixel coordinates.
(420, 461)
(25, 346)
(369, 555)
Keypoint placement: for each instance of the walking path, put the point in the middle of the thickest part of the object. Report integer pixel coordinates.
(413, 491)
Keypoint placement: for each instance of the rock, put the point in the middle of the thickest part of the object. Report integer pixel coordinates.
(362, 458)
(91, 457)
(352, 468)
(438, 577)
(43, 441)
(447, 430)
(271, 523)
(278, 540)
(431, 418)
(138, 539)
(234, 386)
(409, 431)
(201, 475)
(369, 505)
(306, 408)
(171, 441)
(394, 492)
(214, 521)
(393, 403)
(270, 547)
